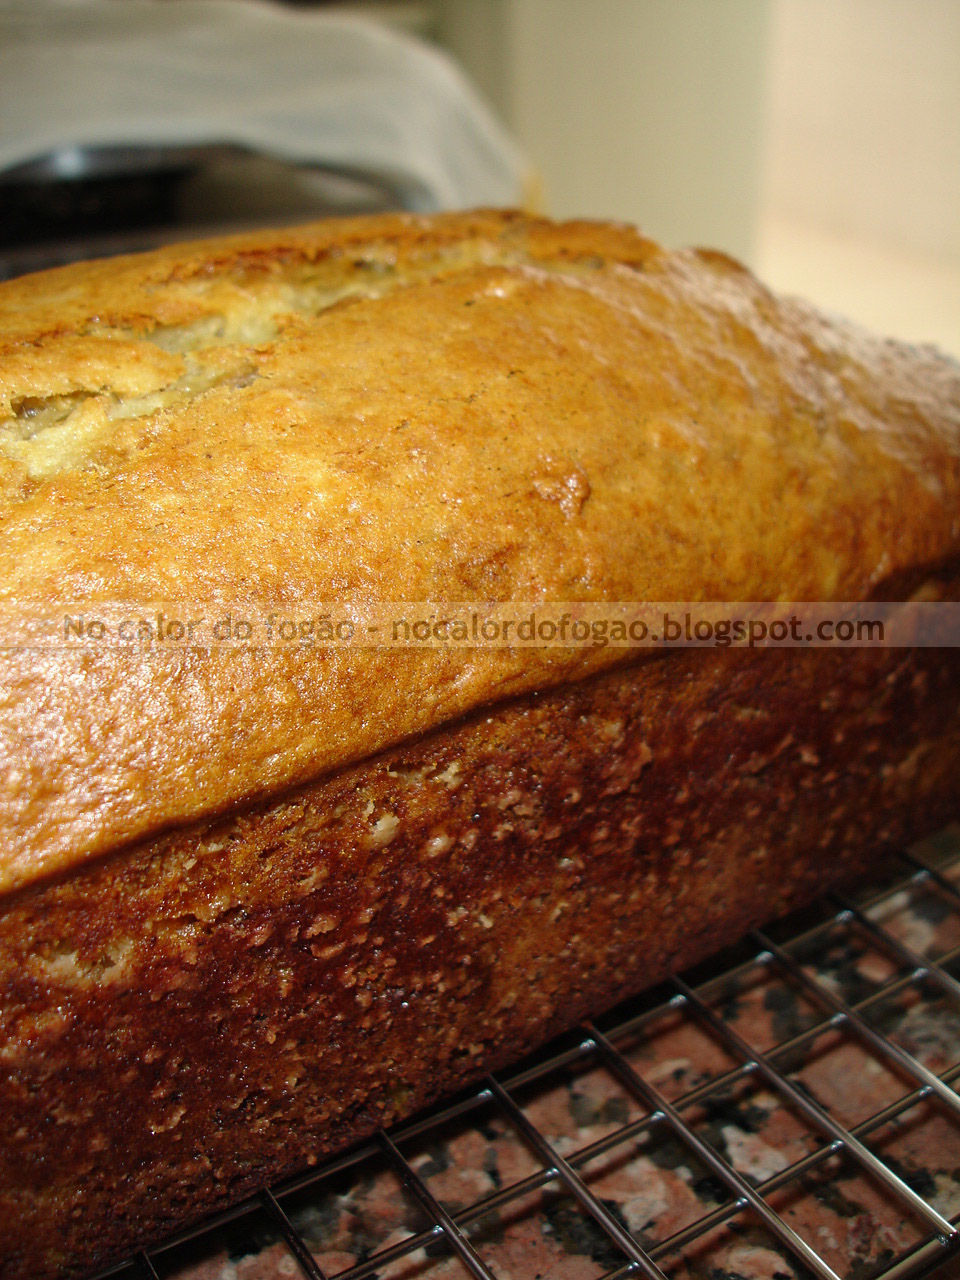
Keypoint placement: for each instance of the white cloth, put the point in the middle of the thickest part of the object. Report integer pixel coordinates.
(302, 86)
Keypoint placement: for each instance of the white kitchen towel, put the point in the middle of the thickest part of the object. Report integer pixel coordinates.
(303, 86)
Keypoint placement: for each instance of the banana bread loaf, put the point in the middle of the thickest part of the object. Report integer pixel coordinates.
(278, 895)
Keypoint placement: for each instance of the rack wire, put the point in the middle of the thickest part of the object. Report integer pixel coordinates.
(788, 1111)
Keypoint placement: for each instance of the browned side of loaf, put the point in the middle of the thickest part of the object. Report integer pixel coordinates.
(223, 1004)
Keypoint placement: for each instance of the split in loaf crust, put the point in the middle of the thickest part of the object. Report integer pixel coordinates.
(467, 407)
(275, 899)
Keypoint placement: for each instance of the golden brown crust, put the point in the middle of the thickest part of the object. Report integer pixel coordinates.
(400, 408)
(270, 987)
(279, 897)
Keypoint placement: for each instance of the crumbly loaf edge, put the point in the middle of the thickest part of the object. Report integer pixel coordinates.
(221, 1005)
(468, 406)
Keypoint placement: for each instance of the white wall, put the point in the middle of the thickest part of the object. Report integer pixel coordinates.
(860, 199)
(864, 120)
(645, 110)
(817, 139)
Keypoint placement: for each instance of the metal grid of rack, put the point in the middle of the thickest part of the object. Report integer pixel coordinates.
(793, 1105)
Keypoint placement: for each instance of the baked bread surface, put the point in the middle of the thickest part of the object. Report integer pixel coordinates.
(276, 898)
(468, 407)
(266, 988)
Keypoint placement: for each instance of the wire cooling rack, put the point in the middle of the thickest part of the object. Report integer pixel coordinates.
(788, 1111)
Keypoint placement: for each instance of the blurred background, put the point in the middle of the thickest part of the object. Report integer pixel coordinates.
(817, 140)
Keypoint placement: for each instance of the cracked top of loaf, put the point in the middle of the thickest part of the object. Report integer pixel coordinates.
(465, 407)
